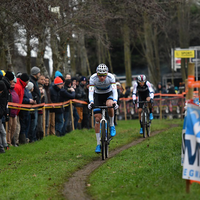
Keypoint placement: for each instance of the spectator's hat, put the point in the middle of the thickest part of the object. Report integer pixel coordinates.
(57, 73)
(1, 86)
(30, 85)
(35, 70)
(83, 78)
(58, 81)
(9, 75)
(24, 77)
(3, 72)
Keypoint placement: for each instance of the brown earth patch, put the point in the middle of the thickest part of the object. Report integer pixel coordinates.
(75, 188)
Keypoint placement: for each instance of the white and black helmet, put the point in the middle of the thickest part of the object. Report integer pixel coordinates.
(102, 69)
(141, 78)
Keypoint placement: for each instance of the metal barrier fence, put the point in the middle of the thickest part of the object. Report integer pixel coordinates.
(165, 106)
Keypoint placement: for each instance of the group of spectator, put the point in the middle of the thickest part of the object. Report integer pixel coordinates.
(21, 126)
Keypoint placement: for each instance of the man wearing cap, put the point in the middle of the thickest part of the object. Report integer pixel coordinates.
(35, 74)
(22, 81)
(55, 98)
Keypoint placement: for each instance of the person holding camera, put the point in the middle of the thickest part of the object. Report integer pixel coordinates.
(66, 94)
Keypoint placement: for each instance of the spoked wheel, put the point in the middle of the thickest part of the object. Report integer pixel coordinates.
(103, 142)
(148, 127)
(144, 124)
(107, 144)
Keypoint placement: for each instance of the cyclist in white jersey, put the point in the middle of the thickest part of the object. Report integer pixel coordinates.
(145, 92)
(102, 91)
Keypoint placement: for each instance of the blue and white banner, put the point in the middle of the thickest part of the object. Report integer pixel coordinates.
(191, 144)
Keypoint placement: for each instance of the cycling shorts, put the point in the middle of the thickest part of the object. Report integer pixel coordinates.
(100, 100)
(142, 98)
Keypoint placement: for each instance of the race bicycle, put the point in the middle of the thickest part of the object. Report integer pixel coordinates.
(105, 134)
(146, 122)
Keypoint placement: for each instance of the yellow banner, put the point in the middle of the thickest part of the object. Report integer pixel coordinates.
(184, 54)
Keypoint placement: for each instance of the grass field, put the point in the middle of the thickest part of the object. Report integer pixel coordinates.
(147, 170)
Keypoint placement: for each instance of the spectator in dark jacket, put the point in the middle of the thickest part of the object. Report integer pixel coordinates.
(7, 80)
(47, 100)
(35, 74)
(81, 95)
(66, 94)
(25, 116)
(55, 98)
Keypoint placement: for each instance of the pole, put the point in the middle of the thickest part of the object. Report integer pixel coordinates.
(72, 117)
(44, 121)
(189, 96)
(160, 106)
(125, 116)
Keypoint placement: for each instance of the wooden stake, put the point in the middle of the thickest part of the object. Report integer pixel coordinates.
(125, 116)
(44, 121)
(72, 116)
(189, 96)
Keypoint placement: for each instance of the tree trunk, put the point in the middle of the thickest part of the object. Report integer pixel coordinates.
(82, 53)
(127, 55)
(151, 51)
(183, 22)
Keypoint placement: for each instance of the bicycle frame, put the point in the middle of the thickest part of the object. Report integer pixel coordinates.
(105, 136)
(146, 122)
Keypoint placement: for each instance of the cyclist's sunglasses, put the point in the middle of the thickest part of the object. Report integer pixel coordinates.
(101, 74)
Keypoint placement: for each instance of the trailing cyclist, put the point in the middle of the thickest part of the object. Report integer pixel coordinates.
(145, 92)
(102, 91)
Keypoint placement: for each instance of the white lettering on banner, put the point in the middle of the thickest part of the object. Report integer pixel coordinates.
(191, 144)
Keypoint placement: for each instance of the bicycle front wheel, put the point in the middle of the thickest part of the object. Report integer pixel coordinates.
(144, 124)
(103, 135)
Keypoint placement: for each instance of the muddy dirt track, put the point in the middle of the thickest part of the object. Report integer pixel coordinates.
(75, 188)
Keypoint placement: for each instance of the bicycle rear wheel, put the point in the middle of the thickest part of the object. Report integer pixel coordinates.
(144, 124)
(103, 135)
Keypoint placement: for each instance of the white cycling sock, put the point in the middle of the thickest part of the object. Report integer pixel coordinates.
(111, 121)
(98, 138)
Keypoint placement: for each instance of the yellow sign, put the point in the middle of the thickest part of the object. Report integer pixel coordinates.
(184, 54)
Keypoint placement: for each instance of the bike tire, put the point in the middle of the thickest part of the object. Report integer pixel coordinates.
(148, 127)
(103, 135)
(144, 124)
(107, 144)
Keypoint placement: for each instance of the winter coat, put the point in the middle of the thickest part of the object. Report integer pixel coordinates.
(55, 98)
(15, 99)
(36, 92)
(19, 89)
(6, 94)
